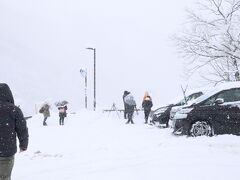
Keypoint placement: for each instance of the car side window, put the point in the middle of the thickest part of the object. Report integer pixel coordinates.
(210, 101)
(231, 95)
(224, 95)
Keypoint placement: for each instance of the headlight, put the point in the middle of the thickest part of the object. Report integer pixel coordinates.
(172, 114)
(185, 111)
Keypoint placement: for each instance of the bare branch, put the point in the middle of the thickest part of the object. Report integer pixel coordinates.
(213, 41)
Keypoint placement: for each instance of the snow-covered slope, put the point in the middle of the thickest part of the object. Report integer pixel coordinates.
(101, 146)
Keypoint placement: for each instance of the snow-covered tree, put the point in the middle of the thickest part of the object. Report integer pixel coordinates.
(211, 39)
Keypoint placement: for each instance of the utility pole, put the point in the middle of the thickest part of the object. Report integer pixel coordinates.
(94, 76)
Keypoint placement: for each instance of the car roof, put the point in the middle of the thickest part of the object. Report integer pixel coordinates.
(217, 89)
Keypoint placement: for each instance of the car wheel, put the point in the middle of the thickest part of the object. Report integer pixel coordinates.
(201, 128)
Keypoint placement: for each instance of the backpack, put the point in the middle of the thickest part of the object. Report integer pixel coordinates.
(41, 110)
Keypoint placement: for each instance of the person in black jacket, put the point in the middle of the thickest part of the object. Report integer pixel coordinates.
(125, 105)
(12, 125)
(147, 105)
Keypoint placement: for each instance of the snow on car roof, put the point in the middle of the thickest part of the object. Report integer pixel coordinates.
(216, 89)
(205, 90)
(196, 90)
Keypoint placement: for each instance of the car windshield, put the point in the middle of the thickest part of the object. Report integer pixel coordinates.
(189, 98)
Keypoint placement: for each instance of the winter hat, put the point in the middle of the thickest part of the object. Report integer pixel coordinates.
(126, 93)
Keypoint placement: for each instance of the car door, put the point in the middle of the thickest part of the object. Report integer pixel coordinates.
(213, 113)
(232, 111)
(222, 116)
(227, 118)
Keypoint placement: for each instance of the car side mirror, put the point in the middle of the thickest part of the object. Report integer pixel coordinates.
(219, 101)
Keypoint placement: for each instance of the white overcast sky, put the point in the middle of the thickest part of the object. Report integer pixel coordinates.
(42, 48)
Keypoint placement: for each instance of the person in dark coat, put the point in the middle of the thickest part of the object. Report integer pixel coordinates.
(46, 113)
(62, 114)
(130, 106)
(147, 105)
(12, 125)
(124, 95)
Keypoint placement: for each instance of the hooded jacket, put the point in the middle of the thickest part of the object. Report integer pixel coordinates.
(45, 110)
(130, 103)
(147, 103)
(12, 124)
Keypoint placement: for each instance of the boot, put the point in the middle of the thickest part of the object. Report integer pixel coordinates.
(146, 121)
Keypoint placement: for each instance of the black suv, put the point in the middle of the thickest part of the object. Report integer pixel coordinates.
(217, 112)
(162, 114)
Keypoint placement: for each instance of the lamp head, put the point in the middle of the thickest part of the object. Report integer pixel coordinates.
(90, 48)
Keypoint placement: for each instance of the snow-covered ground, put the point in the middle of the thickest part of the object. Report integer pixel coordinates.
(97, 146)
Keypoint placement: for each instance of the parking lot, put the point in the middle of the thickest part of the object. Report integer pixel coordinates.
(101, 146)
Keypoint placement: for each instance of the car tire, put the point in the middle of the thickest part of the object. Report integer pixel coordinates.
(201, 128)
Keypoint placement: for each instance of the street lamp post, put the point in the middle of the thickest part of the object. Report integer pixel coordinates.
(94, 81)
(84, 74)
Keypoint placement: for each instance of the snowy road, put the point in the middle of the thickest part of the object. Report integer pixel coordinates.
(96, 146)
